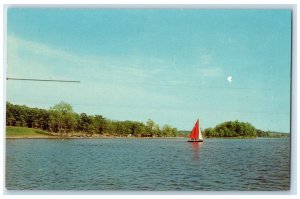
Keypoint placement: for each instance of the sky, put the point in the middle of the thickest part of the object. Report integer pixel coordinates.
(171, 66)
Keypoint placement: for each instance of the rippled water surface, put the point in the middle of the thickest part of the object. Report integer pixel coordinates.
(148, 164)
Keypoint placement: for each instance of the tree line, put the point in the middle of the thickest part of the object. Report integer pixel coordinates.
(239, 129)
(231, 129)
(62, 120)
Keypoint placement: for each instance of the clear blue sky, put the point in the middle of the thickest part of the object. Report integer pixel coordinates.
(167, 65)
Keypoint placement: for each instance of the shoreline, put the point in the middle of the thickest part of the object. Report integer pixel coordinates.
(27, 133)
(114, 137)
(93, 137)
(31, 133)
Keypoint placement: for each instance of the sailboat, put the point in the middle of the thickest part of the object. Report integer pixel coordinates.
(196, 135)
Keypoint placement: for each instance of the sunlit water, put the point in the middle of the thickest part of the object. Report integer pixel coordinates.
(148, 164)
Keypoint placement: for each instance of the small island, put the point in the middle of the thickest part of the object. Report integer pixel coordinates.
(60, 121)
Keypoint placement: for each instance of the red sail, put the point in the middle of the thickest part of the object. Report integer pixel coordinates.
(195, 131)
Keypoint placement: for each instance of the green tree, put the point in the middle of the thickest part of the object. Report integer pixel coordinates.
(55, 121)
(166, 130)
(62, 118)
(44, 119)
(86, 124)
(110, 128)
(156, 131)
(169, 131)
(138, 129)
(150, 127)
(10, 119)
(70, 122)
(231, 129)
(100, 124)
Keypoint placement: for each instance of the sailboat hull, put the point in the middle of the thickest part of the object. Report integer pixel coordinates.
(195, 140)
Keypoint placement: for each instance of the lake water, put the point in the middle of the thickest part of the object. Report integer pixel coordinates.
(148, 164)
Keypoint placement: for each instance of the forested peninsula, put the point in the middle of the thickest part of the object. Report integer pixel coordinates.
(61, 121)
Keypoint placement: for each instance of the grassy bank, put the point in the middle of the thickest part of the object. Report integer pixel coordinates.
(23, 132)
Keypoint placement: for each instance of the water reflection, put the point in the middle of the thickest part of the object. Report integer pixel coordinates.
(196, 146)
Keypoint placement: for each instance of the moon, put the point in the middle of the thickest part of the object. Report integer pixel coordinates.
(229, 79)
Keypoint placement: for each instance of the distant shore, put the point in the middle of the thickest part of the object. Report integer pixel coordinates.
(30, 133)
(87, 137)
